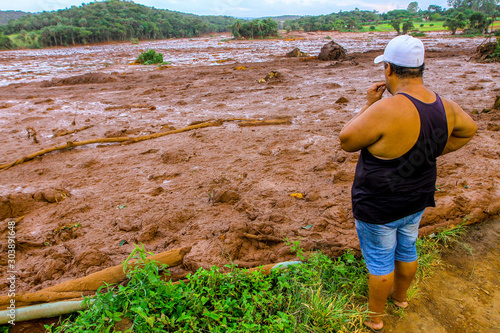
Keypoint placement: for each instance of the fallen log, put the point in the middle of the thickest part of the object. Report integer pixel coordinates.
(87, 285)
(126, 139)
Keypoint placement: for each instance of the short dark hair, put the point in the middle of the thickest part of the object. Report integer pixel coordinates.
(406, 72)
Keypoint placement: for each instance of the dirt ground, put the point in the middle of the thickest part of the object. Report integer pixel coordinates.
(463, 295)
(85, 207)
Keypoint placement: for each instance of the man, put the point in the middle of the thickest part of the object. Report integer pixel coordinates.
(400, 138)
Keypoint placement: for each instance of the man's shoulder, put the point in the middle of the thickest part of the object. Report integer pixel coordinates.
(389, 104)
(450, 106)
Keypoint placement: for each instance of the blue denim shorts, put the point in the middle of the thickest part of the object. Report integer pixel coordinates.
(382, 244)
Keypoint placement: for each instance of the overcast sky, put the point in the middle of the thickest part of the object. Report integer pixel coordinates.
(237, 8)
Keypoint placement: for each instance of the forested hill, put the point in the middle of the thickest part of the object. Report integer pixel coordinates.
(111, 20)
(7, 15)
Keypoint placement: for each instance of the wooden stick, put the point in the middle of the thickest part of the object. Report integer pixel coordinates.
(126, 139)
(268, 122)
(63, 133)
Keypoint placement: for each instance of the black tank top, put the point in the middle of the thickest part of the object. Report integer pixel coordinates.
(387, 190)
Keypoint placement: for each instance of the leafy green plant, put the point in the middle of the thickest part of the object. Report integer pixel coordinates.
(418, 34)
(318, 296)
(150, 57)
(321, 295)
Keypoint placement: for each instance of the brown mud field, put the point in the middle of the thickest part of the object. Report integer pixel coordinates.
(224, 190)
(463, 293)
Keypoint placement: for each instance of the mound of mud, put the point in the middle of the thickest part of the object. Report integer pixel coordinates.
(332, 51)
(88, 78)
(484, 53)
(296, 53)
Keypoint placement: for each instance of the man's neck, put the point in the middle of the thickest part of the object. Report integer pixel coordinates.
(408, 85)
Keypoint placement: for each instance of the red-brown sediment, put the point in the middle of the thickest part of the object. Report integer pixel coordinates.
(224, 191)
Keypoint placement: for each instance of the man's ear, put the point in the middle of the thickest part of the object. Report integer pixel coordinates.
(388, 70)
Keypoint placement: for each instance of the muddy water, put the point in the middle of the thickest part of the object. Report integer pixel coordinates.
(37, 65)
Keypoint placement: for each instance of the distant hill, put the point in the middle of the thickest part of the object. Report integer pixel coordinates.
(7, 15)
(286, 17)
(110, 20)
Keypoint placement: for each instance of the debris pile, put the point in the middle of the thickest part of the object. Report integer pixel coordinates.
(332, 51)
(486, 53)
(296, 53)
(272, 76)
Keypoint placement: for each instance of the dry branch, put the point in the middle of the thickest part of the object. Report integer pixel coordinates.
(126, 139)
(63, 133)
(265, 122)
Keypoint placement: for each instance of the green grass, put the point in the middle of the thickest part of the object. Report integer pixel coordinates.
(427, 26)
(323, 295)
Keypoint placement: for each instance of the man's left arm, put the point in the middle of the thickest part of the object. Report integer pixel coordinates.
(363, 130)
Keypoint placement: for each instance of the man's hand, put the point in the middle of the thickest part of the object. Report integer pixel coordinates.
(375, 92)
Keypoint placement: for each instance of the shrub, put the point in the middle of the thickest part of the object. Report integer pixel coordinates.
(472, 32)
(150, 57)
(421, 25)
(418, 34)
(5, 43)
(328, 37)
(496, 53)
(431, 25)
(372, 27)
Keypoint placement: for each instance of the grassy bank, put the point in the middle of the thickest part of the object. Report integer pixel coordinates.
(321, 295)
(422, 26)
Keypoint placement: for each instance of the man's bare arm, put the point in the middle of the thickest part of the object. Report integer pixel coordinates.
(360, 131)
(463, 131)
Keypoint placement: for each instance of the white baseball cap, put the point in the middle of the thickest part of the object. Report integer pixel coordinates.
(404, 51)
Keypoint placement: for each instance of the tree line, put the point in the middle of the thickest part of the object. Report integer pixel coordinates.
(476, 15)
(110, 20)
(122, 20)
(255, 28)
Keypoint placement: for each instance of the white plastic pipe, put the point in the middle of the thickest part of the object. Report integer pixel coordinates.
(40, 311)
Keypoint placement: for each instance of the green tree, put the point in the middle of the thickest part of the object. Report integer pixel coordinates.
(456, 22)
(396, 24)
(407, 26)
(5, 43)
(435, 8)
(484, 6)
(479, 21)
(235, 28)
(413, 7)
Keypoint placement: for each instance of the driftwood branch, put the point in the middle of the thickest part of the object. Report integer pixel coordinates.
(126, 139)
(63, 133)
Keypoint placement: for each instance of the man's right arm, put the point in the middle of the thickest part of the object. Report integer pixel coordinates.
(464, 129)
